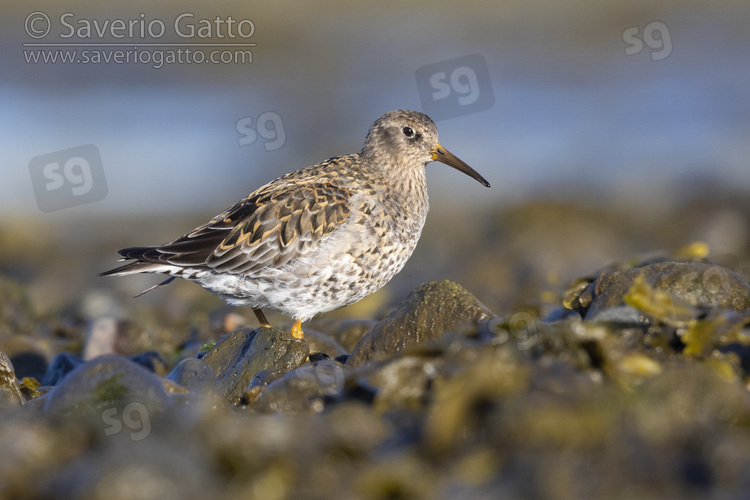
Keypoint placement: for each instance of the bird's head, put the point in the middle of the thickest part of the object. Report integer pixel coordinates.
(409, 139)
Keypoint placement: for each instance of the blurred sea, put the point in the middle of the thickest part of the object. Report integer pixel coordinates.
(572, 112)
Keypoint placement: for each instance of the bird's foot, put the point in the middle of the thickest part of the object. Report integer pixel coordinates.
(297, 332)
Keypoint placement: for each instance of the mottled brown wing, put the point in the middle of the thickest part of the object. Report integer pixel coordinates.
(270, 228)
(194, 248)
(284, 225)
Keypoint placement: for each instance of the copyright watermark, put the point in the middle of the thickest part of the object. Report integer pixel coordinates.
(134, 419)
(520, 328)
(68, 178)
(38, 25)
(268, 125)
(655, 35)
(456, 87)
(184, 39)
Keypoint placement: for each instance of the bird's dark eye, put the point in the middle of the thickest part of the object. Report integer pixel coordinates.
(408, 131)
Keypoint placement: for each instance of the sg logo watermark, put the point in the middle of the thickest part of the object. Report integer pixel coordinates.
(68, 178)
(455, 87)
(655, 35)
(521, 326)
(268, 126)
(134, 416)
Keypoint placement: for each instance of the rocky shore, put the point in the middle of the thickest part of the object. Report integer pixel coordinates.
(629, 381)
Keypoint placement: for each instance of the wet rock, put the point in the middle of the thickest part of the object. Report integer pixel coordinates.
(345, 332)
(143, 468)
(722, 331)
(194, 375)
(465, 402)
(430, 310)
(259, 384)
(688, 284)
(151, 360)
(101, 389)
(694, 308)
(64, 363)
(314, 357)
(350, 427)
(342, 359)
(10, 393)
(59, 367)
(403, 383)
(171, 387)
(30, 364)
(648, 401)
(29, 356)
(32, 448)
(621, 314)
(265, 377)
(240, 355)
(320, 342)
(303, 389)
(401, 476)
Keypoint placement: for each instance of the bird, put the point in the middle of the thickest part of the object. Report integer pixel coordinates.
(318, 238)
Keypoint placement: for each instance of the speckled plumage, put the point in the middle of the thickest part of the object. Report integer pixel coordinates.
(319, 238)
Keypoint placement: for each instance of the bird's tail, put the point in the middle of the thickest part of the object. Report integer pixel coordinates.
(140, 266)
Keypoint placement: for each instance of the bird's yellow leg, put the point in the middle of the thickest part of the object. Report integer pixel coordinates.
(261, 318)
(297, 330)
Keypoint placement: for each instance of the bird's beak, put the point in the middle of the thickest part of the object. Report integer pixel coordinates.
(439, 153)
